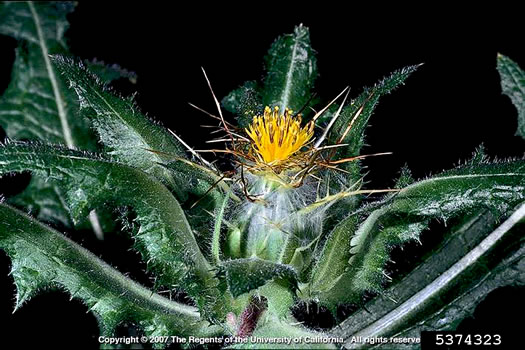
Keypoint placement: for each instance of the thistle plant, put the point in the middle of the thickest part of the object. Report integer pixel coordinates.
(289, 223)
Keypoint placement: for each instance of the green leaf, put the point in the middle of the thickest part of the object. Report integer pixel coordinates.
(108, 73)
(42, 258)
(128, 135)
(300, 257)
(279, 296)
(37, 105)
(405, 175)
(333, 260)
(244, 102)
(165, 238)
(513, 85)
(45, 200)
(196, 180)
(291, 71)
(498, 187)
(447, 287)
(201, 192)
(244, 275)
(350, 127)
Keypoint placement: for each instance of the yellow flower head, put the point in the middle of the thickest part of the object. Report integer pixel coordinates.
(276, 137)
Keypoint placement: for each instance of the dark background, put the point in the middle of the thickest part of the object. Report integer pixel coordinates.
(445, 110)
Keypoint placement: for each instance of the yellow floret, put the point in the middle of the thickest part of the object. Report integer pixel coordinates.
(276, 137)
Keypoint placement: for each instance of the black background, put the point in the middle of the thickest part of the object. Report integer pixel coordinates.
(445, 110)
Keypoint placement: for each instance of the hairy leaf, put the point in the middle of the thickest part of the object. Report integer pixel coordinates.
(300, 257)
(37, 104)
(350, 127)
(513, 85)
(333, 260)
(164, 237)
(244, 275)
(280, 297)
(108, 73)
(42, 258)
(498, 187)
(291, 71)
(195, 180)
(363, 106)
(128, 135)
(201, 192)
(449, 285)
(244, 102)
